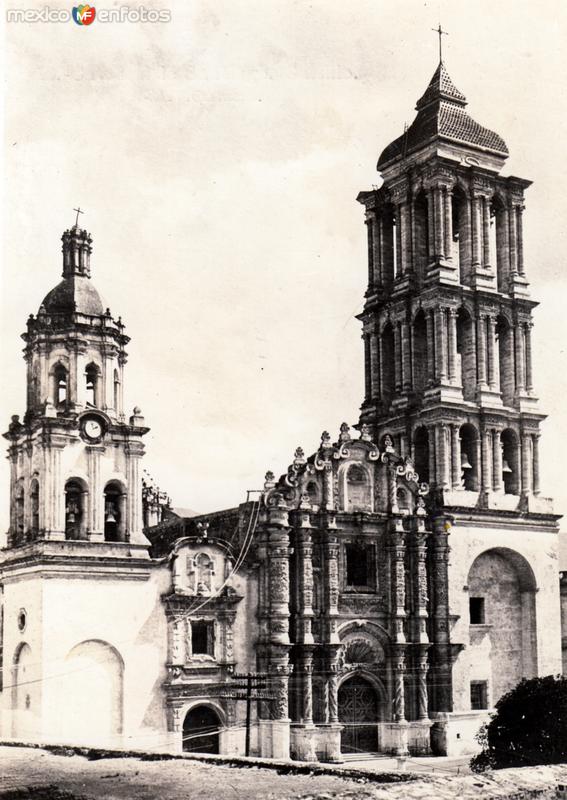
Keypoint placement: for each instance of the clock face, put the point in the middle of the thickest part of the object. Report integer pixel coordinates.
(92, 428)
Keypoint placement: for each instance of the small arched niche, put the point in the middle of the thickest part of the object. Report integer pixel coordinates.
(357, 493)
(469, 457)
(76, 509)
(510, 461)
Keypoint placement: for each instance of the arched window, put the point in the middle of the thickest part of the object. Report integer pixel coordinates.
(505, 345)
(510, 462)
(461, 240)
(469, 459)
(114, 513)
(75, 510)
(421, 221)
(312, 490)
(466, 354)
(500, 227)
(421, 450)
(34, 503)
(420, 345)
(61, 385)
(357, 489)
(92, 376)
(388, 246)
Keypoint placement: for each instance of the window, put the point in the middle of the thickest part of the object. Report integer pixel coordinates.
(203, 638)
(91, 385)
(74, 510)
(476, 610)
(358, 564)
(60, 375)
(479, 695)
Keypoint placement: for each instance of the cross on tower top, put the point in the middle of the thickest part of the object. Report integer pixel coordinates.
(439, 30)
(79, 211)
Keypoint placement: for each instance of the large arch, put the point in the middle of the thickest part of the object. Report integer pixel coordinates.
(201, 729)
(503, 625)
(93, 691)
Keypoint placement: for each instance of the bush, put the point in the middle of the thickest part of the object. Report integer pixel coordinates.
(528, 728)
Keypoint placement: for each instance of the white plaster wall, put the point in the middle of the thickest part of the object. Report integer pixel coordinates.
(540, 549)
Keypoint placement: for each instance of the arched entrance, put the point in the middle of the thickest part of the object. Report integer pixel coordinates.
(201, 730)
(358, 712)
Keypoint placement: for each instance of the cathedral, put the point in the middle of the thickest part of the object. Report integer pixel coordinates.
(383, 593)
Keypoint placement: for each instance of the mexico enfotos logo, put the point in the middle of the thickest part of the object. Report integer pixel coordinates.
(84, 14)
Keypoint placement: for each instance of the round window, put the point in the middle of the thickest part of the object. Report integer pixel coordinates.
(22, 619)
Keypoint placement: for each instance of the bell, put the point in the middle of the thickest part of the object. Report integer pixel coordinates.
(109, 515)
(70, 516)
(465, 463)
(505, 466)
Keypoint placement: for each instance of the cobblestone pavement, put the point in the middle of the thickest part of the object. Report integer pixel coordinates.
(33, 773)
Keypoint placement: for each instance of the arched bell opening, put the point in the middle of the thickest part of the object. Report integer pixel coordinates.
(114, 512)
(60, 385)
(510, 461)
(466, 354)
(469, 457)
(76, 494)
(505, 347)
(421, 238)
(419, 352)
(92, 385)
(461, 240)
(499, 226)
(34, 508)
(421, 453)
(387, 362)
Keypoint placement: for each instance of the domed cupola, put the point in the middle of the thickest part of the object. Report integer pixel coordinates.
(443, 125)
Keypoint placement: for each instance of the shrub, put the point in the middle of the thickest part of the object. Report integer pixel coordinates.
(529, 727)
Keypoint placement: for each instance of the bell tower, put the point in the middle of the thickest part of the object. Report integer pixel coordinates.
(75, 458)
(447, 319)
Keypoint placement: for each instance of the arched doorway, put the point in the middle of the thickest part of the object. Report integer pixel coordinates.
(201, 730)
(358, 712)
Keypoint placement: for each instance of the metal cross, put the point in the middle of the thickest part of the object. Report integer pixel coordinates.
(78, 210)
(441, 33)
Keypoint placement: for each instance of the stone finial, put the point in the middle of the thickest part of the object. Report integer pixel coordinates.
(366, 433)
(388, 444)
(137, 420)
(305, 502)
(269, 480)
(326, 440)
(344, 435)
(299, 457)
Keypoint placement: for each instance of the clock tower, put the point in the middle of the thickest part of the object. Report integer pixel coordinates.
(75, 457)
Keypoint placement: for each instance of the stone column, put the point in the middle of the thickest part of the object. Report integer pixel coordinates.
(405, 238)
(398, 357)
(481, 351)
(333, 685)
(431, 440)
(399, 676)
(520, 237)
(440, 345)
(375, 389)
(278, 572)
(331, 585)
(526, 453)
(487, 460)
(528, 350)
(431, 225)
(491, 333)
(535, 463)
(513, 239)
(443, 465)
(519, 357)
(486, 232)
(304, 543)
(422, 698)
(476, 228)
(441, 649)
(398, 240)
(452, 354)
(439, 227)
(369, 222)
(496, 461)
(307, 685)
(367, 368)
(448, 222)
(430, 328)
(406, 355)
(455, 457)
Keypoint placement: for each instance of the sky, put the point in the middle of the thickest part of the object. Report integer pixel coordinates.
(218, 158)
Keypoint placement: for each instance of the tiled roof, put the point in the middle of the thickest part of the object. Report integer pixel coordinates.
(440, 85)
(441, 113)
